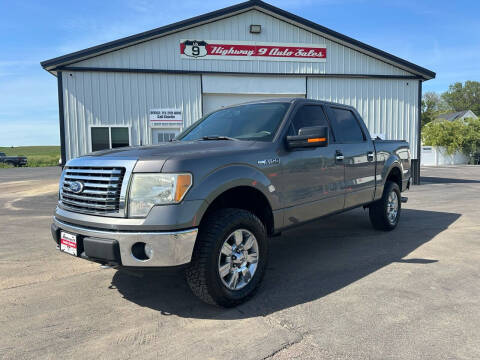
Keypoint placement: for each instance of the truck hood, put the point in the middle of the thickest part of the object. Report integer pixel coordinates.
(152, 158)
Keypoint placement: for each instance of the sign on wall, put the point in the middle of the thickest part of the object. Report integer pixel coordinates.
(166, 118)
(251, 50)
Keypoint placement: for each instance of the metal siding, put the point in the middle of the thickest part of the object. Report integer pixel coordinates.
(224, 84)
(94, 98)
(164, 53)
(387, 106)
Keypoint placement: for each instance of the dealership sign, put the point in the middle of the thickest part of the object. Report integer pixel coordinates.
(166, 118)
(250, 50)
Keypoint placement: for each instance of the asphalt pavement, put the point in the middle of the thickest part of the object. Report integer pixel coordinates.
(334, 289)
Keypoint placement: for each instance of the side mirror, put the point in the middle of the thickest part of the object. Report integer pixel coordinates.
(314, 136)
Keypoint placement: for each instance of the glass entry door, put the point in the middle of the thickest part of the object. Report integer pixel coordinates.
(163, 135)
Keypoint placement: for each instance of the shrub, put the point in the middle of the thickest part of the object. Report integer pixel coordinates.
(42, 160)
(458, 135)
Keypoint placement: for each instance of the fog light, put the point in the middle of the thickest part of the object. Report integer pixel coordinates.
(141, 251)
(148, 251)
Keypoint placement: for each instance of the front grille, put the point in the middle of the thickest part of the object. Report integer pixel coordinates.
(101, 191)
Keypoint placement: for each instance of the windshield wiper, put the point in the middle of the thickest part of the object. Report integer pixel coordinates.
(217, 137)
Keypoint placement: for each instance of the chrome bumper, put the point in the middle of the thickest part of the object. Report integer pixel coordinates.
(169, 248)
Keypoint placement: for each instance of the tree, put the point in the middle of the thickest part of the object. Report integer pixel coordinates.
(461, 97)
(432, 105)
(458, 135)
(472, 137)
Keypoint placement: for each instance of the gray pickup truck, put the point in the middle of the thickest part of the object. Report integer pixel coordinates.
(13, 160)
(214, 196)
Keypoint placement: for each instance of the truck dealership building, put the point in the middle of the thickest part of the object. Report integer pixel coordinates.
(143, 89)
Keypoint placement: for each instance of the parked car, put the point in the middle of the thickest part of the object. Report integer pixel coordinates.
(13, 160)
(214, 196)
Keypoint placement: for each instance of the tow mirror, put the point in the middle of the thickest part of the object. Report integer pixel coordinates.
(314, 136)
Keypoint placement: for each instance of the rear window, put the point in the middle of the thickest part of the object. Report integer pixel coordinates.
(345, 126)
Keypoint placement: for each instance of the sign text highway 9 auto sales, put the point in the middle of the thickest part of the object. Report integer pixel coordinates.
(247, 50)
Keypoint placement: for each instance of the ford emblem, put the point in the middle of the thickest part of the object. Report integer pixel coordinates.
(76, 187)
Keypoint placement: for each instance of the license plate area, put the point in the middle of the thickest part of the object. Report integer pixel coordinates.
(69, 243)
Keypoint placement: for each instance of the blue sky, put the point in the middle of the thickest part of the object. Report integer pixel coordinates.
(443, 36)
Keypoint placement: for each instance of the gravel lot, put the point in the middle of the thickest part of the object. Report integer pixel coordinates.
(335, 289)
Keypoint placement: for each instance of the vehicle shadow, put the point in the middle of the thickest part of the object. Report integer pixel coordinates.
(442, 180)
(305, 264)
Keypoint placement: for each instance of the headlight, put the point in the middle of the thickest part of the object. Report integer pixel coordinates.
(148, 190)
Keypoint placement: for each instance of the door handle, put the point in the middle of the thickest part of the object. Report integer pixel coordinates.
(370, 156)
(339, 156)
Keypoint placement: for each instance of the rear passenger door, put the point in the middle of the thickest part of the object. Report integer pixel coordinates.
(311, 179)
(355, 150)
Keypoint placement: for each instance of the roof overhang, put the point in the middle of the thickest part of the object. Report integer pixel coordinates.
(423, 73)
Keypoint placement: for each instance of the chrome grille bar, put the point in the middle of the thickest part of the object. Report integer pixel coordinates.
(90, 207)
(98, 185)
(92, 178)
(89, 198)
(97, 171)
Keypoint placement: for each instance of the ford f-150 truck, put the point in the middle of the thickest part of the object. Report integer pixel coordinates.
(214, 196)
(13, 160)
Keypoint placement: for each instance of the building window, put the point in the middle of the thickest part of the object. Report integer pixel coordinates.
(100, 138)
(109, 137)
(120, 137)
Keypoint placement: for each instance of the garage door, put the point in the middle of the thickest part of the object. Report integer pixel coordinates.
(213, 102)
(428, 156)
(224, 90)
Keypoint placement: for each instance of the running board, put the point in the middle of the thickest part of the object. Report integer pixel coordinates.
(404, 199)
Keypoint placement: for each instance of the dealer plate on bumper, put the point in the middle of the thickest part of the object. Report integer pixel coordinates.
(68, 243)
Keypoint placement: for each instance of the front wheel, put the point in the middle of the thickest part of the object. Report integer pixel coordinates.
(229, 258)
(385, 213)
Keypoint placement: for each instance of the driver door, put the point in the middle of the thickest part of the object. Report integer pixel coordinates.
(312, 179)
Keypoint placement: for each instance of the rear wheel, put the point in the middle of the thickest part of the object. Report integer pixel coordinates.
(385, 213)
(229, 258)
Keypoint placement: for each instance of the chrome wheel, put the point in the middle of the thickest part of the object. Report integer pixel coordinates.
(392, 207)
(238, 258)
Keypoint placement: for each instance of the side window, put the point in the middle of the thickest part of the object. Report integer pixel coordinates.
(345, 126)
(308, 115)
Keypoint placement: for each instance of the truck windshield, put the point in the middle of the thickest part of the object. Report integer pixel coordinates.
(244, 122)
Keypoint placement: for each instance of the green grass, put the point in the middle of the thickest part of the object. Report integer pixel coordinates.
(36, 155)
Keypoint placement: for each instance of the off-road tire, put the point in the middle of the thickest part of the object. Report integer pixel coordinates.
(378, 209)
(202, 273)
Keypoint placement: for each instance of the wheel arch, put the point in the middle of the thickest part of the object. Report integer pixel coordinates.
(247, 198)
(238, 186)
(395, 175)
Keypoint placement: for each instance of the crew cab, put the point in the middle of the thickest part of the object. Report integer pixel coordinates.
(213, 198)
(13, 160)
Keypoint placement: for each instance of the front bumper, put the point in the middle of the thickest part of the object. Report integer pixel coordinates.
(115, 247)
